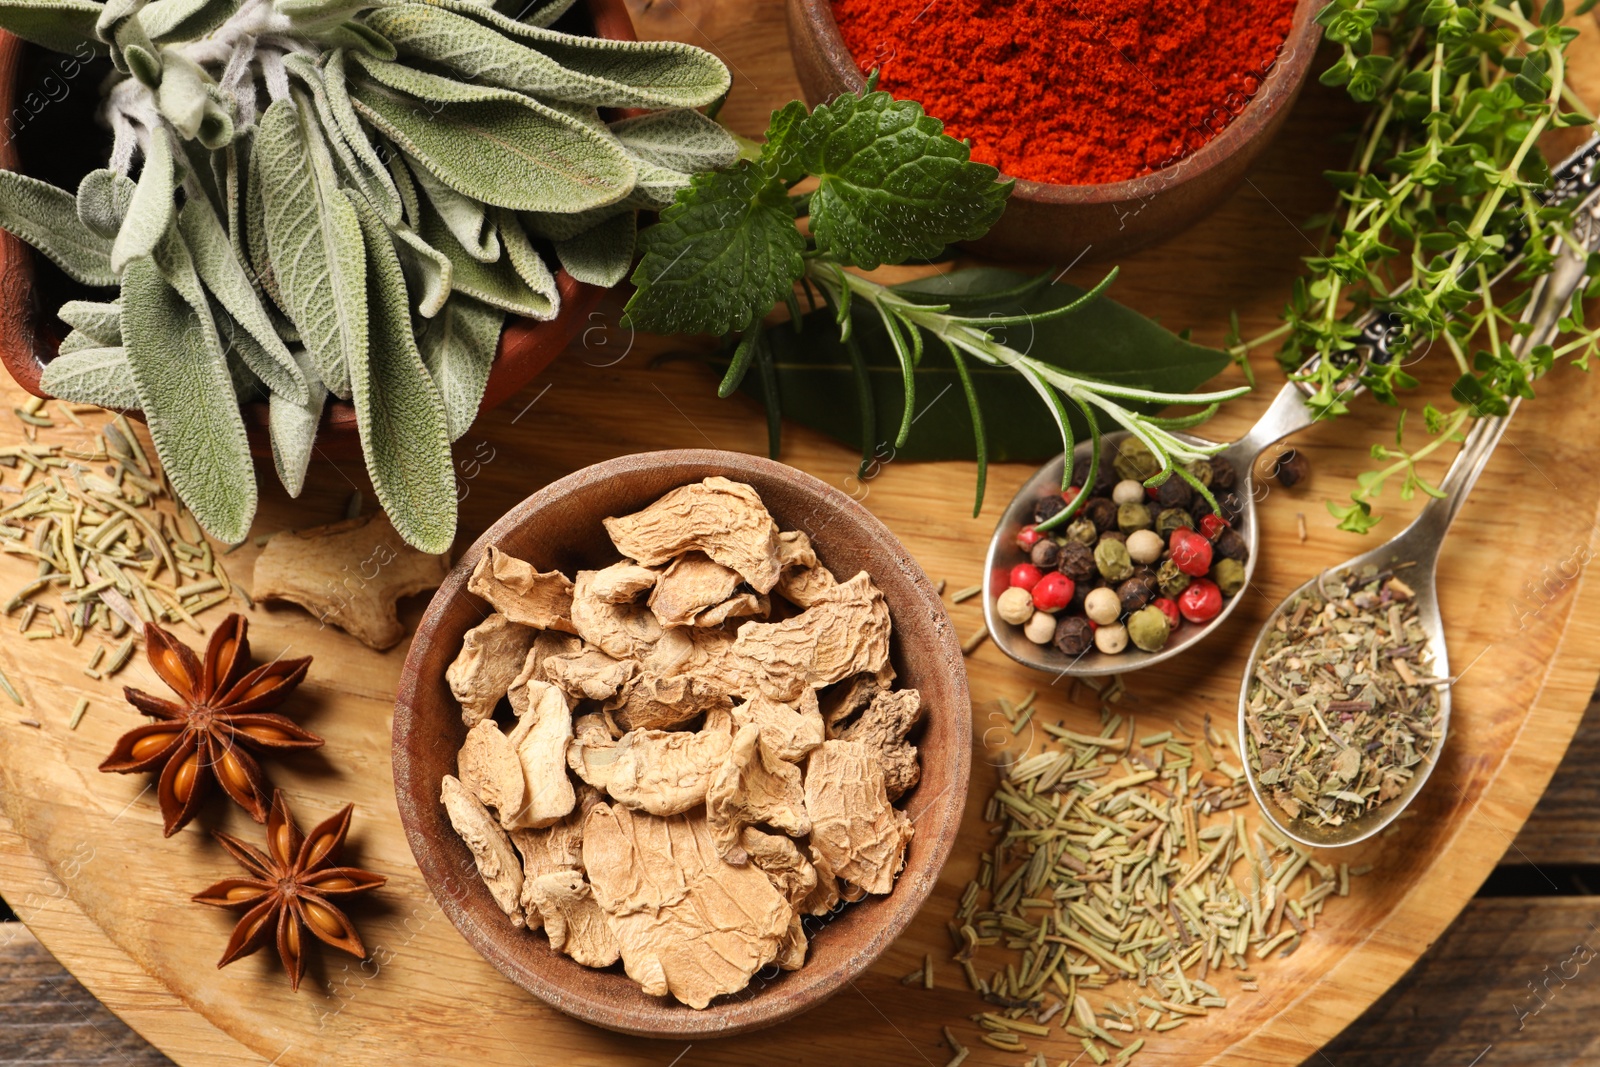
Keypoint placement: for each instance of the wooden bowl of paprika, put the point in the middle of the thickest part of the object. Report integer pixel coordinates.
(1120, 126)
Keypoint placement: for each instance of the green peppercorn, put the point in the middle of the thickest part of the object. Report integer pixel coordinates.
(1111, 559)
(1082, 531)
(1202, 471)
(1172, 519)
(1135, 460)
(1131, 517)
(1229, 575)
(1171, 580)
(1148, 628)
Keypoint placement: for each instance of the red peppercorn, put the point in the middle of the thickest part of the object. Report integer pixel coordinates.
(1053, 592)
(1169, 608)
(1192, 555)
(1211, 526)
(1027, 537)
(1025, 576)
(1201, 601)
(1070, 493)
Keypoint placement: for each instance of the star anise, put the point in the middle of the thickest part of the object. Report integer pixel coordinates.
(219, 718)
(291, 890)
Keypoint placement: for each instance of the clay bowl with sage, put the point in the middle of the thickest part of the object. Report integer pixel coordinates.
(739, 732)
(31, 81)
(1111, 153)
(1138, 575)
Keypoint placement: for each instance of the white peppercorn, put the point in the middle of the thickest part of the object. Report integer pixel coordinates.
(1102, 605)
(1127, 491)
(1015, 605)
(1041, 628)
(1111, 639)
(1145, 546)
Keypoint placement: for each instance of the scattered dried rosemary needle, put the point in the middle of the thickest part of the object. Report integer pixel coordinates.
(1342, 708)
(1122, 884)
(108, 536)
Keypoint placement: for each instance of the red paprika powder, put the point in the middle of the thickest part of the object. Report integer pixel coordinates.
(1072, 91)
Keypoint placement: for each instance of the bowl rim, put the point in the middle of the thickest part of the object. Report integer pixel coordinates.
(802, 989)
(1276, 91)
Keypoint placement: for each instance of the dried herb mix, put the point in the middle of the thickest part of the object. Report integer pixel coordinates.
(1342, 708)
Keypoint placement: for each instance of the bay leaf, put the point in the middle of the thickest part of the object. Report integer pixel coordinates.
(314, 240)
(150, 209)
(601, 255)
(399, 411)
(91, 376)
(47, 218)
(1103, 340)
(186, 393)
(493, 145)
(292, 426)
(103, 198)
(458, 348)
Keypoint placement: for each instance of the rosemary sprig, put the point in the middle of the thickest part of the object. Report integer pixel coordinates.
(1444, 188)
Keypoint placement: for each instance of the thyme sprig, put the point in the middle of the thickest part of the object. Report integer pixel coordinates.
(1446, 186)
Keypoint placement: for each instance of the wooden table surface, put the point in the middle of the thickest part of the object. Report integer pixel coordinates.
(116, 913)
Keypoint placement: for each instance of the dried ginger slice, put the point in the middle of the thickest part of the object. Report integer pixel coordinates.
(753, 787)
(622, 631)
(491, 657)
(663, 772)
(788, 731)
(688, 923)
(827, 894)
(792, 948)
(488, 766)
(653, 703)
(541, 599)
(845, 632)
(803, 580)
(574, 920)
(588, 674)
(842, 702)
(491, 849)
(883, 727)
(695, 590)
(780, 860)
(622, 582)
(547, 644)
(857, 831)
(724, 519)
(552, 848)
(540, 739)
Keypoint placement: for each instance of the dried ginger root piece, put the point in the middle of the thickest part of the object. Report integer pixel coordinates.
(842, 702)
(622, 631)
(792, 949)
(325, 570)
(724, 519)
(788, 732)
(803, 580)
(688, 924)
(552, 848)
(622, 582)
(845, 632)
(695, 590)
(753, 787)
(827, 893)
(492, 655)
(491, 848)
(857, 831)
(883, 727)
(488, 766)
(589, 674)
(654, 703)
(659, 771)
(574, 920)
(541, 599)
(780, 860)
(540, 739)
(548, 643)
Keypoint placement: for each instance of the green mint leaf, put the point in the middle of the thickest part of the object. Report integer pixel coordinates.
(720, 257)
(781, 153)
(893, 186)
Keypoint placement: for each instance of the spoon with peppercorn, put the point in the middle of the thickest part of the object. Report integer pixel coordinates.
(1345, 702)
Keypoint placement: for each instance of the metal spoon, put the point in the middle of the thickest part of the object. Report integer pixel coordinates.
(1575, 179)
(1417, 548)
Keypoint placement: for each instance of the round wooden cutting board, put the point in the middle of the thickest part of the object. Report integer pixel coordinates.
(83, 862)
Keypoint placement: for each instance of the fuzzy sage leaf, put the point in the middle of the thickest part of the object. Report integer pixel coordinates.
(47, 218)
(292, 426)
(91, 376)
(458, 347)
(150, 208)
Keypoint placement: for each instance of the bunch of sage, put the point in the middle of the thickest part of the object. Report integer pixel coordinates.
(342, 197)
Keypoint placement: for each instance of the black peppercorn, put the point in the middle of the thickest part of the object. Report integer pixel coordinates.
(1291, 468)
(1229, 506)
(1100, 511)
(1136, 592)
(1199, 507)
(1046, 552)
(1074, 636)
(1076, 562)
(1113, 535)
(1174, 493)
(1104, 479)
(1047, 507)
(1230, 544)
(1223, 476)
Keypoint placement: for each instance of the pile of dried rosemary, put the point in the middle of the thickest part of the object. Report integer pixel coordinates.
(1342, 708)
(1113, 885)
(114, 547)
